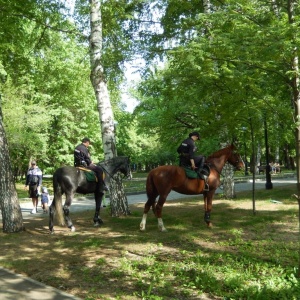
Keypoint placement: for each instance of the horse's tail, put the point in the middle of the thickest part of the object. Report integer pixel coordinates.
(57, 200)
(151, 189)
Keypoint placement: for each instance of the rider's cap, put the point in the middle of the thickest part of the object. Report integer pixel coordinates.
(195, 133)
(33, 162)
(86, 139)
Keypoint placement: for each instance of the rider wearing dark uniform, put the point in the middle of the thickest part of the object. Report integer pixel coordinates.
(187, 158)
(82, 158)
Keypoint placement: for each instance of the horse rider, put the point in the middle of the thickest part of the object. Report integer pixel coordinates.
(82, 158)
(187, 157)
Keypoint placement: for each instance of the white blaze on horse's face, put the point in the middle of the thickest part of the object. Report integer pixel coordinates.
(237, 161)
(240, 163)
(129, 176)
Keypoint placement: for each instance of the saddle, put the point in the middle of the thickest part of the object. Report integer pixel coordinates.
(89, 174)
(190, 173)
(202, 174)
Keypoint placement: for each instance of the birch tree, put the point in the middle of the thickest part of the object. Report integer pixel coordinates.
(9, 203)
(118, 199)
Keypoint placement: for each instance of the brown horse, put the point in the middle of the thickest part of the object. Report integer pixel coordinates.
(162, 180)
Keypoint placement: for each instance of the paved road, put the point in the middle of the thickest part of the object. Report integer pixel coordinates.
(18, 287)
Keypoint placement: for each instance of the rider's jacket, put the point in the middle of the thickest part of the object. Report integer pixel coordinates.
(187, 148)
(82, 156)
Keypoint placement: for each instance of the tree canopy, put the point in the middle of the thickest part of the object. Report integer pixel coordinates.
(218, 67)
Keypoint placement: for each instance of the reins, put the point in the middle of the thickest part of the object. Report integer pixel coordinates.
(212, 165)
(110, 174)
(106, 171)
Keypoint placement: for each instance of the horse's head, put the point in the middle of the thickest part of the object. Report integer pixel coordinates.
(117, 164)
(235, 159)
(125, 168)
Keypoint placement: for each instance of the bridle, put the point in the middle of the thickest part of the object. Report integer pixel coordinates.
(106, 171)
(111, 175)
(234, 164)
(238, 161)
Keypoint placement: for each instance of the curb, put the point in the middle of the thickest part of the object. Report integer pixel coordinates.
(19, 287)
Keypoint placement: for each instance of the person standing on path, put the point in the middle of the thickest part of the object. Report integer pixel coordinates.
(45, 199)
(34, 182)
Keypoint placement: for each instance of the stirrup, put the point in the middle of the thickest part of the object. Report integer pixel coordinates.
(206, 186)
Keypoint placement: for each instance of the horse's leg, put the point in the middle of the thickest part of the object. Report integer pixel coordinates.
(150, 203)
(98, 201)
(51, 215)
(207, 207)
(158, 211)
(66, 209)
(151, 194)
(147, 207)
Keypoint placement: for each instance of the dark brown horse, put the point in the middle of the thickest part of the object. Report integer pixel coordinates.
(162, 180)
(70, 180)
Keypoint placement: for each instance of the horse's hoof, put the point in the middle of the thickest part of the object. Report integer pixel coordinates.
(162, 229)
(142, 227)
(98, 222)
(51, 231)
(209, 224)
(72, 229)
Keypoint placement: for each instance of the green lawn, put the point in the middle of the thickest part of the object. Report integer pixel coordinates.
(243, 256)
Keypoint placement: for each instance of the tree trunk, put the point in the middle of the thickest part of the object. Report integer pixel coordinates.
(9, 203)
(296, 99)
(117, 194)
(287, 162)
(258, 158)
(228, 182)
(118, 200)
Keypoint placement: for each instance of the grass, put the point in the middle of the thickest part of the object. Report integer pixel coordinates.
(244, 255)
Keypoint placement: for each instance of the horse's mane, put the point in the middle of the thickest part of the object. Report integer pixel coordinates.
(221, 152)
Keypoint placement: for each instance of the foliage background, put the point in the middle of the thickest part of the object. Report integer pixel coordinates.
(222, 68)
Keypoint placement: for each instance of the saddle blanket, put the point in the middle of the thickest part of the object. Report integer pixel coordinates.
(191, 173)
(89, 174)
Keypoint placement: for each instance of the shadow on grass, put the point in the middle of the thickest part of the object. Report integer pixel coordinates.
(244, 256)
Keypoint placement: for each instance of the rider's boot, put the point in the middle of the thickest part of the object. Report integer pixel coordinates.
(102, 187)
(203, 174)
(105, 187)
